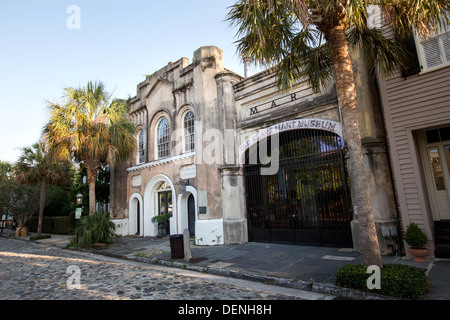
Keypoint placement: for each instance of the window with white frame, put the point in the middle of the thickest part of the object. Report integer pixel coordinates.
(189, 131)
(163, 138)
(434, 51)
(141, 146)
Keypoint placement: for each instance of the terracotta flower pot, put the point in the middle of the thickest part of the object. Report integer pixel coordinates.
(21, 232)
(419, 254)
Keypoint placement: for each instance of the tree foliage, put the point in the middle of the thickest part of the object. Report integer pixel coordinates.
(311, 40)
(19, 201)
(37, 166)
(91, 128)
(292, 36)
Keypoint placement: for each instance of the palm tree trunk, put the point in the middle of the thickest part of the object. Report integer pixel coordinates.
(41, 205)
(91, 169)
(346, 93)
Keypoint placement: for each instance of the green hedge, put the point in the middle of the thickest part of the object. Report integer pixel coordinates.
(55, 225)
(400, 281)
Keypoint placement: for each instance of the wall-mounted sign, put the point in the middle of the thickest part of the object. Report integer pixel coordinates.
(188, 172)
(321, 124)
(78, 212)
(136, 181)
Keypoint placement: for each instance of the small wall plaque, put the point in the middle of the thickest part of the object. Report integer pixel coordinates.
(136, 181)
(188, 172)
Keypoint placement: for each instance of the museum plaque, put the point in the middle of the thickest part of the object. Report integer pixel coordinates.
(137, 181)
(188, 172)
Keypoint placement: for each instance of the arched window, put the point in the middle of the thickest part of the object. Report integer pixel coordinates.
(189, 135)
(141, 147)
(163, 138)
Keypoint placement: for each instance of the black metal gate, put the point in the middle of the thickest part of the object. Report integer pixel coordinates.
(307, 201)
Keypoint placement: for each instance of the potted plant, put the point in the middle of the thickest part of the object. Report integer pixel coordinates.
(417, 239)
(162, 220)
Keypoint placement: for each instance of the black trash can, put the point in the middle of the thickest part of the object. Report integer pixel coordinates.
(177, 246)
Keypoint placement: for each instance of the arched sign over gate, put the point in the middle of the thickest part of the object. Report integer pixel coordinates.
(310, 123)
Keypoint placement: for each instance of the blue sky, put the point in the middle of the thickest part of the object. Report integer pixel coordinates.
(118, 43)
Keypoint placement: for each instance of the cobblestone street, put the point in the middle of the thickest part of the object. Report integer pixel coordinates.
(30, 271)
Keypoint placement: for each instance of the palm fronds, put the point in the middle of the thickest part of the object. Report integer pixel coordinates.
(289, 35)
(90, 127)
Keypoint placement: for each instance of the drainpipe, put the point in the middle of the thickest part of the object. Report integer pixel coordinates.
(147, 134)
(399, 237)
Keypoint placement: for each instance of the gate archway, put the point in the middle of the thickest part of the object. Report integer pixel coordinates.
(307, 202)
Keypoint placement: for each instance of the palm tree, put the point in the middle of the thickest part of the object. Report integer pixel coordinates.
(313, 38)
(35, 166)
(5, 170)
(90, 128)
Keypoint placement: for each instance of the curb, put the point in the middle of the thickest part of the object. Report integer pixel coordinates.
(324, 288)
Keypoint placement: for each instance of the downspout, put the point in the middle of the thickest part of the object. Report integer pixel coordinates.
(399, 229)
(147, 134)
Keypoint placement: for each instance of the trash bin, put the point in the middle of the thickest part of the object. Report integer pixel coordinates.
(177, 246)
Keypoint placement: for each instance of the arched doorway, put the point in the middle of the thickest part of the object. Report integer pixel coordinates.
(136, 215)
(159, 198)
(165, 206)
(307, 201)
(187, 210)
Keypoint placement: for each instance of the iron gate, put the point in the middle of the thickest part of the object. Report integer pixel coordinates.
(307, 202)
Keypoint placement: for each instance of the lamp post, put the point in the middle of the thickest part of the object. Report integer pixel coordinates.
(79, 208)
(78, 211)
(79, 199)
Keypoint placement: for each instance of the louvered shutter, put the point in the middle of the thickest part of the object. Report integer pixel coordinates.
(446, 45)
(432, 52)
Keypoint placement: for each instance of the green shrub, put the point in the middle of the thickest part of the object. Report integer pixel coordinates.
(400, 281)
(415, 237)
(96, 228)
(162, 218)
(352, 276)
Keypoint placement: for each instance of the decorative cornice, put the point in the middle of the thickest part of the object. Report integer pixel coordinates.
(161, 161)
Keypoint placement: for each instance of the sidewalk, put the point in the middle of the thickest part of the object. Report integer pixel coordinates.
(300, 267)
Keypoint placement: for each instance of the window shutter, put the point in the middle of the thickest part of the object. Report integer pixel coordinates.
(446, 43)
(412, 61)
(432, 52)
